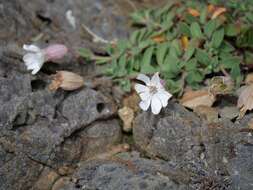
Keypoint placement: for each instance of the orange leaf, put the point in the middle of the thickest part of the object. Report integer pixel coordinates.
(193, 12)
(184, 42)
(218, 11)
(210, 8)
(159, 38)
(193, 99)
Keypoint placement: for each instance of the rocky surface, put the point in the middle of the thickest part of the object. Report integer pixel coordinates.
(126, 171)
(212, 155)
(73, 140)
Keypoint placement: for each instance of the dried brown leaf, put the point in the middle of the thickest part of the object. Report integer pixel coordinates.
(192, 99)
(218, 11)
(132, 101)
(249, 78)
(245, 100)
(66, 80)
(126, 114)
(193, 12)
(250, 123)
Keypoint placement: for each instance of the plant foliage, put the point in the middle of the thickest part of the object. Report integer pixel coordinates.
(184, 47)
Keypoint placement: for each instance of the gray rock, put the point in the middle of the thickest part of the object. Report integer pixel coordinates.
(215, 154)
(129, 172)
(86, 106)
(20, 173)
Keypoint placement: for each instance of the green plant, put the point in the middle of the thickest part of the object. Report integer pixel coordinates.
(184, 48)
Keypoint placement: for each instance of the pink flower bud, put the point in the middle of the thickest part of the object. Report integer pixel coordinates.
(163, 82)
(55, 51)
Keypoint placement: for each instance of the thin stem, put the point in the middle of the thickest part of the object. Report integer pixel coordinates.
(97, 38)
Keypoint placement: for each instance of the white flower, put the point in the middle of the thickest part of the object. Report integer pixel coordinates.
(152, 94)
(71, 19)
(34, 59)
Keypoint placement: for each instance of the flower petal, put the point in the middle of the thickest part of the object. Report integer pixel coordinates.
(145, 95)
(31, 48)
(156, 81)
(144, 105)
(143, 78)
(35, 70)
(141, 88)
(29, 58)
(163, 96)
(33, 61)
(156, 105)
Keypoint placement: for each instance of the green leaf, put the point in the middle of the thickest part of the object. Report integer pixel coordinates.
(161, 50)
(184, 29)
(171, 66)
(203, 15)
(217, 38)
(191, 65)
(210, 27)
(202, 57)
(196, 30)
(190, 19)
(138, 17)
(146, 66)
(229, 61)
(173, 86)
(232, 30)
(246, 38)
(175, 48)
(248, 57)
(134, 37)
(122, 66)
(86, 53)
(122, 45)
(125, 85)
(194, 77)
(226, 47)
(190, 50)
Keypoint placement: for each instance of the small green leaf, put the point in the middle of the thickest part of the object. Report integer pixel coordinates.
(210, 27)
(161, 51)
(122, 45)
(248, 57)
(194, 77)
(202, 57)
(86, 53)
(175, 48)
(217, 38)
(191, 65)
(125, 85)
(173, 86)
(146, 66)
(190, 50)
(171, 65)
(203, 15)
(184, 29)
(190, 19)
(226, 47)
(122, 66)
(195, 30)
(231, 30)
(230, 61)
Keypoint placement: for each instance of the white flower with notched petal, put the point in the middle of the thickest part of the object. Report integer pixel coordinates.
(36, 57)
(153, 93)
